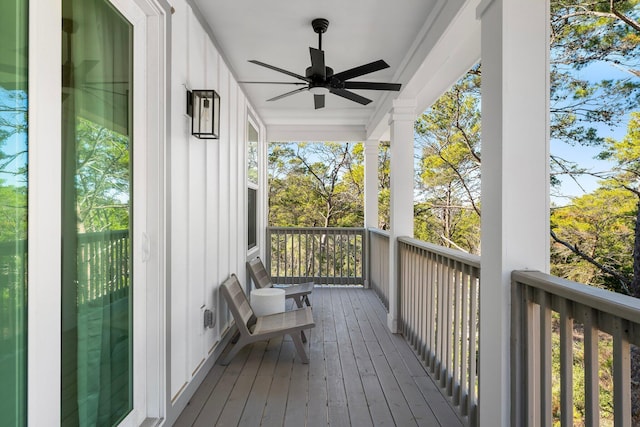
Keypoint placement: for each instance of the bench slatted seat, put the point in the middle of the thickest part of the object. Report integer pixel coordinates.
(252, 328)
(299, 293)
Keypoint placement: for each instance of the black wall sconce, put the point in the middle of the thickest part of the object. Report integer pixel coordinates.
(203, 106)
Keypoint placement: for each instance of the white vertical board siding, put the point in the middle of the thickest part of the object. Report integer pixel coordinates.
(233, 172)
(208, 203)
(223, 190)
(241, 203)
(211, 278)
(196, 204)
(179, 249)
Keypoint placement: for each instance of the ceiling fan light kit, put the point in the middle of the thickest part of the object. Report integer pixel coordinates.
(320, 79)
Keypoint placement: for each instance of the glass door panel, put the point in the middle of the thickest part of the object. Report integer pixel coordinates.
(13, 211)
(97, 306)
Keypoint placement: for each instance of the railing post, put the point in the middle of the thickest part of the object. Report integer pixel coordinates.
(519, 383)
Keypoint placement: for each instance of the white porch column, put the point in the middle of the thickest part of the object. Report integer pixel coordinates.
(515, 179)
(371, 183)
(401, 121)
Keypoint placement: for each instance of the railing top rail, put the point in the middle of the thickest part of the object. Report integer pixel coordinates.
(379, 231)
(619, 305)
(111, 234)
(469, 259)
(318, 229)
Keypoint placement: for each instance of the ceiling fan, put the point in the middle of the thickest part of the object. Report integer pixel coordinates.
(319, 78)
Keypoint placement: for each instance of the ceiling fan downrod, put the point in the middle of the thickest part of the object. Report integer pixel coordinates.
(320, 26)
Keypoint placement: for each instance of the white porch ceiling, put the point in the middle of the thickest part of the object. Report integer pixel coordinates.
(403, 33)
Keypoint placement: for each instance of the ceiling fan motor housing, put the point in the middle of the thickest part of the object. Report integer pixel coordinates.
(320, 25)
(316, 78)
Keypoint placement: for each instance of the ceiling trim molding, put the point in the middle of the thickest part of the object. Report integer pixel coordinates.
(290, 133)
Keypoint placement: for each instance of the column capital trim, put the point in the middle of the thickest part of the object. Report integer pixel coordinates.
(371, 146)
(403, 110)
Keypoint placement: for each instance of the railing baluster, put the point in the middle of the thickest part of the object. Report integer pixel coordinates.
(544, 301)
(464, 350)
(591, 366)
(473, 347)
(566, 364)
(414, 295)
(446, 323)
(422, 304)
(440, 320)
(621, 373)
(455, 392)
(433, 305)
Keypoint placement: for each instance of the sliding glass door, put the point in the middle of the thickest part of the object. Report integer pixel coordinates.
(13, 211)
(97, 306)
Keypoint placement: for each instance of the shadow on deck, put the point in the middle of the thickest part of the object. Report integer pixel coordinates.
(359, 374)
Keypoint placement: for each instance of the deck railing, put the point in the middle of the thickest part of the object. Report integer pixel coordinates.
(438, 313)
(13, 275)
(333, 255)
(379, 264)
(103, 272)
(103, 265)
(585, 318)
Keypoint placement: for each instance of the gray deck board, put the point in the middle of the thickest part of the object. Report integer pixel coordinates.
(359, 375)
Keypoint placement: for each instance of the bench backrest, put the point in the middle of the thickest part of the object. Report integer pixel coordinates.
(258, 273)
(238, 304)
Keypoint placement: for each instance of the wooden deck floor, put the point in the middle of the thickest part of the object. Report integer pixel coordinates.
(359, 374)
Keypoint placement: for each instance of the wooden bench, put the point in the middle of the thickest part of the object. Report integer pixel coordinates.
(252, 328)
(299, 293)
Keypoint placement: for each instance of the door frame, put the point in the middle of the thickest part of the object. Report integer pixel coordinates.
(151, 20)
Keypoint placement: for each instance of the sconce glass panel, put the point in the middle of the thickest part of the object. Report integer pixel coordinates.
(205, 118)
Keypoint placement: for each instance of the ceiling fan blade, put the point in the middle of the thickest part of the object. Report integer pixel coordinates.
(372, 86)
(318, 101)
(284, 95)
(276, 83)
(280, 70)
(317, 63)
(361, 70)
(350, 96)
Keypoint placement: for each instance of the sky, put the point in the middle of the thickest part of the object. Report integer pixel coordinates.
(15, 143)
(585, 157)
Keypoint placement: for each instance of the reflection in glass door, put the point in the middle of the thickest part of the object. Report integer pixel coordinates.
(97, 43)
(13, 211)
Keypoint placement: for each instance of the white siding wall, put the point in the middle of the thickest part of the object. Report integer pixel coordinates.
(207, 205)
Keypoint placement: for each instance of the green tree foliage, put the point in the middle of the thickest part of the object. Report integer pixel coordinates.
(585, 33)
(384, 184)
(316, 184)
(594, 237)
(626, 175)
(448, 143)
(322, 184)
(103, 178)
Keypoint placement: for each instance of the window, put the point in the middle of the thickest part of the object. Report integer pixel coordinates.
(252, 184)
(252, 220)
(13, 207)
(97, 143)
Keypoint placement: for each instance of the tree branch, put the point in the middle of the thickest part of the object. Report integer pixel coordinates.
(624, 282)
